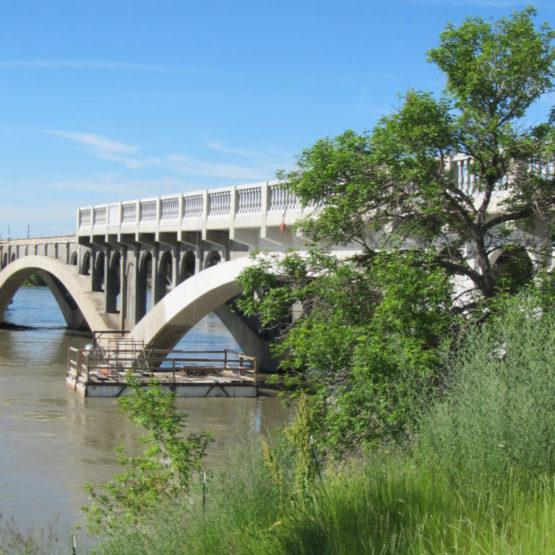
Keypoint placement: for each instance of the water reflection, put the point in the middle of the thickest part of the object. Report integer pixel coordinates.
(53, 441)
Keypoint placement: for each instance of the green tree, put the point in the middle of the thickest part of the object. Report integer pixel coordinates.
(369, 333)
(394, 186)
(161, 472)
(368, 344)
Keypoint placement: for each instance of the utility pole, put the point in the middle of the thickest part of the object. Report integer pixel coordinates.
(28, 231)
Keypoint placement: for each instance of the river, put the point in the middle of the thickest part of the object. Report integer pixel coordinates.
(53, 440)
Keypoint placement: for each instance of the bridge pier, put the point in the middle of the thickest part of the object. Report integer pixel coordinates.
(251, 343)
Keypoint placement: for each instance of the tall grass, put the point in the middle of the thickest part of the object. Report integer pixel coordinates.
(480, 478)
(499, 416)
(393, 507)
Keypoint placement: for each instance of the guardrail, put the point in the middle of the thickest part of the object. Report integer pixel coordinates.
(254, 205)
(193, 211)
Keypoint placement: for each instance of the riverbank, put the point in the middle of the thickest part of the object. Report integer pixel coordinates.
(390, 506)
(477, 477)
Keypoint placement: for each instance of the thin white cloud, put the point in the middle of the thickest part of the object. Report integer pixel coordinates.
(190, 165)
(260, 166)
(219, 147)
(102, 147)
(98, 65)
(97, 142)
(222, 148)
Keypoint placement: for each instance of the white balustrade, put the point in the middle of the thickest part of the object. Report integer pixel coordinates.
(85, 219)
(147, 211)
(169, 209)
(249, 200)
(192, 206)
(282, 199)
(129, 210)
(113, 214)
(464, 178)
(99, 215)
(155, 211)
(219, 203)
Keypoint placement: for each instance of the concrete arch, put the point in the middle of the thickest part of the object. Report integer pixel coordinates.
(57, 274)
(183, 307)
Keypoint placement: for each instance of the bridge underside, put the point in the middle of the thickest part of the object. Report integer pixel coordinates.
(124, 278)
(157, 285)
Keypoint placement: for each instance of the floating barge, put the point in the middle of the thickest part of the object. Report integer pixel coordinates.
(102, 372)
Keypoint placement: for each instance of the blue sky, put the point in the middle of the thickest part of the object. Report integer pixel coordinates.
(106, 100)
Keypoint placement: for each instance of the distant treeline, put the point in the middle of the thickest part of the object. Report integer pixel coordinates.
(34, 280)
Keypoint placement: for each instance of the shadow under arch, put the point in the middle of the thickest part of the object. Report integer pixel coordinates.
(76, 307)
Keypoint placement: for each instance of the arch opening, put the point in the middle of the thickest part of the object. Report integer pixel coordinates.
(98, 272)
(188, 265)
(86, 264)
(12, 281)
(113, 285)
(212, 258)
(73, 259)
(144, 281)
(165, 275)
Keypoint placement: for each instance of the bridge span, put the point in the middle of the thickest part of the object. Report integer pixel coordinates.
(147, 265)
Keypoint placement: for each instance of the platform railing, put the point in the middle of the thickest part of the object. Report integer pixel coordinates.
(114, 364)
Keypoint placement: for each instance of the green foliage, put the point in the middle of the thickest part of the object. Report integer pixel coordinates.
(393, 187)
(499, 416)
(34, 280)
(162, 471)
(481, 479)
(389, 506)
(368, 345)
(292, 463)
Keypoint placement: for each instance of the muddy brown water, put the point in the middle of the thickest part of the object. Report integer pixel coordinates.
(53, 441)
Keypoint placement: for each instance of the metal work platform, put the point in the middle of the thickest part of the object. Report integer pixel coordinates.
(102, 371)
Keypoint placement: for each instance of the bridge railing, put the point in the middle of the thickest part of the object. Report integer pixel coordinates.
(252, 205)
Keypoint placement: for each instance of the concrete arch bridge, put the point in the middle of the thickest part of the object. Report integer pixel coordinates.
(156, 266)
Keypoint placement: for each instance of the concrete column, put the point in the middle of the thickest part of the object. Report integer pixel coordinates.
(132, 289)
(251, 344)
(155, 276)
